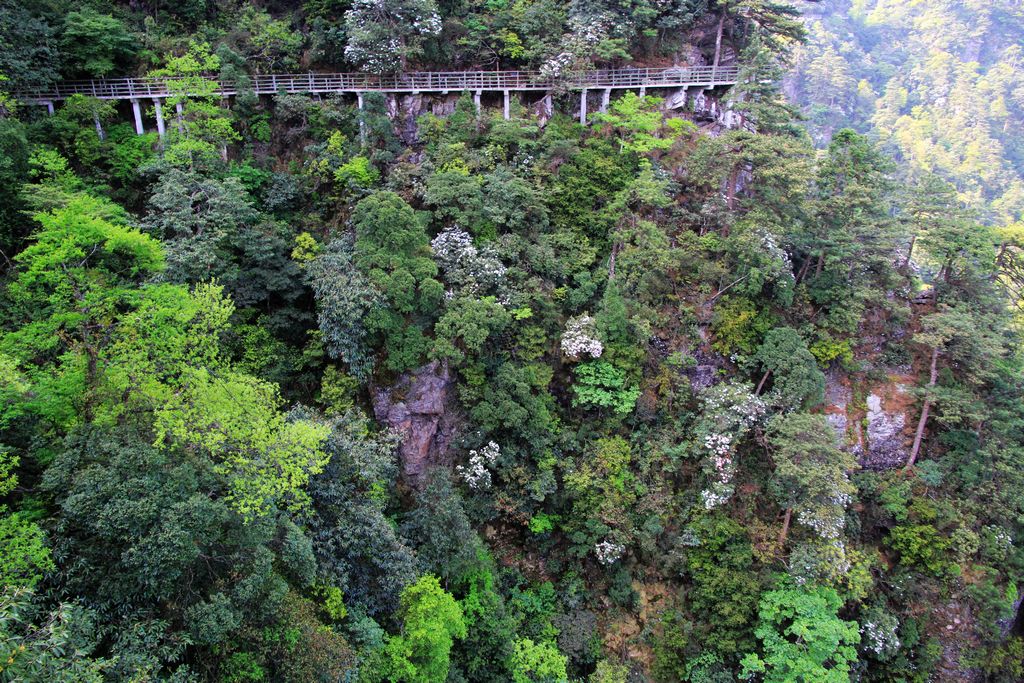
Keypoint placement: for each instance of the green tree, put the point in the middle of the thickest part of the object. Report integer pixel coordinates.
(797, 380)
(431, 622)
(803, 639)
(56, 647)
(384, 36)
(95, 44)
(200, 136)
(538, 662)
(811, 474)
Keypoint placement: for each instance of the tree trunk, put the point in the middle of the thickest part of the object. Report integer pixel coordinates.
(730, 191)
(760, 385)
(718, 38)
(821, 264)
(910, 252)
(785, 526)
(919, 434)
(803, 270)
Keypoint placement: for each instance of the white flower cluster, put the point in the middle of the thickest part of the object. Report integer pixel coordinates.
(464, 266)
(1001, 536)
(718, 494)
(880, 636)
(580, 338)
(817, 562)
(730, 411)
(585, 33)
(777, 253)
(609, 552)
(475, 474)
(381, 32)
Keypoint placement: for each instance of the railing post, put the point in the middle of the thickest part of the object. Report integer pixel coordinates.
(159, 111)
(362, 123)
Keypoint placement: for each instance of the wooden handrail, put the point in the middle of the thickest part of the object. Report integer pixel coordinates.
(419, 81)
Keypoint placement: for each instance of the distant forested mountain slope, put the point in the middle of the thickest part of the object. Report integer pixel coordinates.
(939, 82)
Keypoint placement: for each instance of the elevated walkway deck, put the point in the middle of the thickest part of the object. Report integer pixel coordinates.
(412, 82)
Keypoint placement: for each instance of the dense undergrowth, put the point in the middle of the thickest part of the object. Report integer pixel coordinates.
(644, 321)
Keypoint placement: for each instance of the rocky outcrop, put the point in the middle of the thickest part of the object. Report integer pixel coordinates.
(877, 430)
(420, 407)
(702, 106)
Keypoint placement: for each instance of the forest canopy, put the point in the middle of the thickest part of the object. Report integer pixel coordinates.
(720, 383)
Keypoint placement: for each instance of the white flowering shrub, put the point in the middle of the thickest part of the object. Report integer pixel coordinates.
(589, 34)
(827, 515)
(580, 338)
(475, 473)
(384, 34)
(465, 267)
(820, 562)
(608, 552)
(879, 634)
(730, 411)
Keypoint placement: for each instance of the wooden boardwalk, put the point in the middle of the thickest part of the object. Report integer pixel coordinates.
(413, 82)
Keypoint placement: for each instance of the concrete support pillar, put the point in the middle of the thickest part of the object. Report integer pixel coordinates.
(179, 111)
(583, 107)
(643, 91)
(159, 110)
(508, 108)
(137, 111)
(99, 127)
(49, 107)
(606, 97)
(362, 124)
(476, 99)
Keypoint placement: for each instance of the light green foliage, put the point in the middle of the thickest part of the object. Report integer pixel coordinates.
(272, 43)
(306, 248)
(431, 621)
(609, 672)
(393, 250)
(24, 556)
(267, 459)
(739, 326)
(537, 662)
(197, 139)
(602, 487)
(922, 545)
(599, 384)
(641, 125)
(71, 281)
(802, 638)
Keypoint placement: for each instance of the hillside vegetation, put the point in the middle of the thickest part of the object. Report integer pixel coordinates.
(418, 393)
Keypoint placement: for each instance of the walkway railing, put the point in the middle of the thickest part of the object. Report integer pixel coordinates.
(429, 81)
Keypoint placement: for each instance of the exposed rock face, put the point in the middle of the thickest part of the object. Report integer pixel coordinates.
(876, 432)
(885, 436)
(543, 109)
(420, 408)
